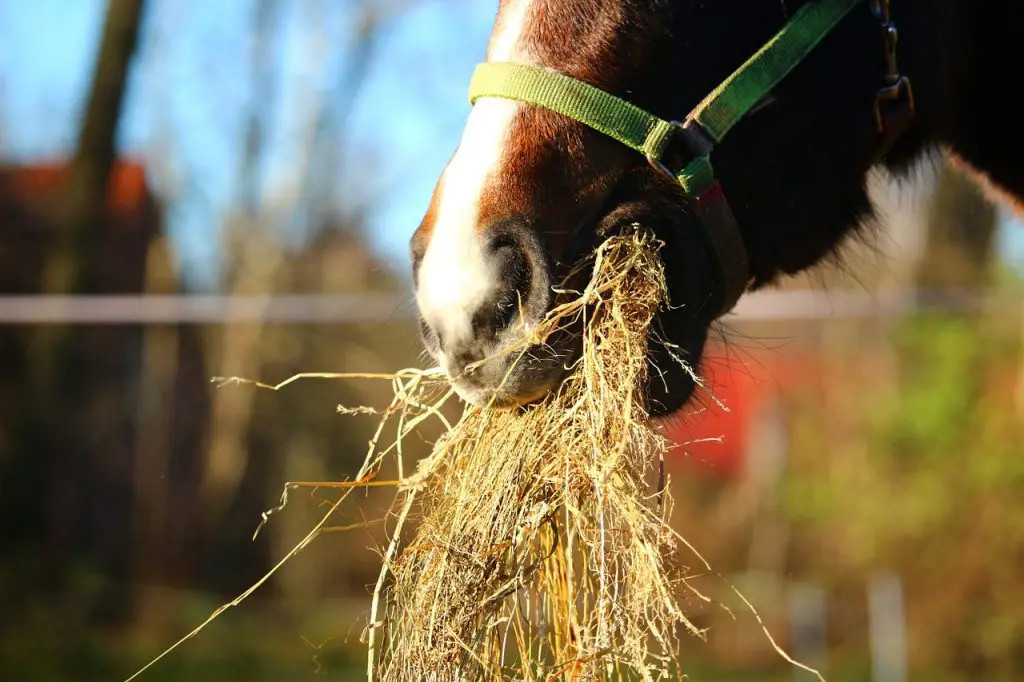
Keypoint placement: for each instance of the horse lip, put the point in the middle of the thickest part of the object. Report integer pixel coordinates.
(501, 400)
(501, 395)
(511, 378)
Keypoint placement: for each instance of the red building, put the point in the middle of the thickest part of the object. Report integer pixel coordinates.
(716, 439)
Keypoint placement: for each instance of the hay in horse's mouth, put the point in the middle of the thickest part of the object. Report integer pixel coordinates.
(542, 549)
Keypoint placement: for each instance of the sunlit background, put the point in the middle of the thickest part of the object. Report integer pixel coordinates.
(270, 161)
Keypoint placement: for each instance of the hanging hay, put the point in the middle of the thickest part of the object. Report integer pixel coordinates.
(542, 549)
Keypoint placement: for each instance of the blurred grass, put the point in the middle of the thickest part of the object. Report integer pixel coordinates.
(257, 642)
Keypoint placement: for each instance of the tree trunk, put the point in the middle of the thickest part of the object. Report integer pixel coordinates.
(80, 216)
(73, 433)
(85, 195)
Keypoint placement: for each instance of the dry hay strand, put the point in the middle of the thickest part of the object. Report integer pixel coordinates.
(542, 550)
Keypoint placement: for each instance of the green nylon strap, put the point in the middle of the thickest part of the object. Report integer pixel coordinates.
(759, 75)
(648, 134)
(592, 106)
(696, 176)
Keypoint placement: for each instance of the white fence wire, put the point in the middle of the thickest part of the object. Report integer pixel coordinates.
(383, 308)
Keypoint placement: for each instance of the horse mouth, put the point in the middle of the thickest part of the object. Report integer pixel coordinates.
(506, 395)
(516, 374)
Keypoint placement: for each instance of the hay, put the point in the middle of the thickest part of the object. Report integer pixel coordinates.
(542, 549)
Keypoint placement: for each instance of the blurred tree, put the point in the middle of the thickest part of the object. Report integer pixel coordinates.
(80, 213)
(250, 442)
(255, 256)
(904, 455)
(57, 385)
(135, 480)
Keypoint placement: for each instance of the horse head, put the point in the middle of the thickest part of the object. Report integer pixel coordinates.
(530, 191)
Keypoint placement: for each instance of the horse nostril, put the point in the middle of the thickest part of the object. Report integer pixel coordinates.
(474, 294)
(515, 275)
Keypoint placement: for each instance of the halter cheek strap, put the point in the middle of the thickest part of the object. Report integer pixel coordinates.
(705, 126)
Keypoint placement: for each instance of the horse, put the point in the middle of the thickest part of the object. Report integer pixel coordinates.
(538, 177)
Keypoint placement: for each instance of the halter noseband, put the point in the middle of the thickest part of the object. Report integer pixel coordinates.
(708, 123)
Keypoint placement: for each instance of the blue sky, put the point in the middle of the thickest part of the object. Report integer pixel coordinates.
(189, 95)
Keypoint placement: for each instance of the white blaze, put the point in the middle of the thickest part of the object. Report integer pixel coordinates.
(456, 276)
(505, 42)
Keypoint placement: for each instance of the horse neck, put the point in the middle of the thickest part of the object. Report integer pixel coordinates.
(956, 53)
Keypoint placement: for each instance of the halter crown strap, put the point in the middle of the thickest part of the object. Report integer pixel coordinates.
(651, 135)
(736, 95)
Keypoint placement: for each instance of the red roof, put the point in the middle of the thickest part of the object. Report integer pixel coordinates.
(127, 191)
(28, 196)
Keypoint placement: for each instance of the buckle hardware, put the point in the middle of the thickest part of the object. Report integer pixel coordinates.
(894, 102)
(894, 112)
(695, 143)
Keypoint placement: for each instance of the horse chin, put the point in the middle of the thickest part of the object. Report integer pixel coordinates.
(514, 374)
(502, 398)
(515, 380)
(662, 404)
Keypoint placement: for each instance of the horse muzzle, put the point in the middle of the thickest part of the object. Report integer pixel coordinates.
(480, 304)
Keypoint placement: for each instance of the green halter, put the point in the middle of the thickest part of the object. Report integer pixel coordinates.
(706, 125)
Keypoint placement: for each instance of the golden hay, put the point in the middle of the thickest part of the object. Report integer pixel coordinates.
(542, 549)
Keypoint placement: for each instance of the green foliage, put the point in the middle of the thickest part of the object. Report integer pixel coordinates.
(921, 471)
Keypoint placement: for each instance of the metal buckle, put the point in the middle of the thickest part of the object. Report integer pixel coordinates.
(657, 165)
(695, 141)
(894, 107)
(894, 103)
